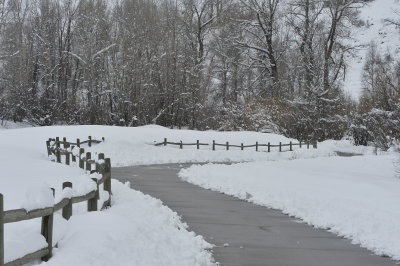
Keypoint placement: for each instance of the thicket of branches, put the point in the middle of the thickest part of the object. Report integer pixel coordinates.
(266, 65)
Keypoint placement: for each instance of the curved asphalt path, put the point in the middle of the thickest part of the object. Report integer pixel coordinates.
(245, 234)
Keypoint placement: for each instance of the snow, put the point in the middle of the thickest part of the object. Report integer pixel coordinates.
(376, 30)
(137, 230)
(144, 231)
(355, 197)
(28, 174)
(25, 163)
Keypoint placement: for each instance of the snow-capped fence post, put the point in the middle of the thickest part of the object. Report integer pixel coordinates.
(198, 144)
(213, 145)
(47, 232)
(67, 160)
(269, 147)
(256, 145)
(88, 161)
(1, 230)
(107, 181)
(280, 146)
(101, 157)
(92, 203)
(241, 146)
(181, 145)
(73, 155)
(81, 163)
(67, 210)
(165, 141)
(58, 154)
(90, 141)
(48, 148)
(64, 142)
(300, 144)
(227, 145)
(290, 146)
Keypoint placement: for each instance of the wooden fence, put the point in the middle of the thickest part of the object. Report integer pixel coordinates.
(85, 161)
(257, 145)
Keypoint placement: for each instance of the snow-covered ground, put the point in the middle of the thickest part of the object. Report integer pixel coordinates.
(137, 230)
(27, 175)
(25, 164)
(376, 30)
(356, 197)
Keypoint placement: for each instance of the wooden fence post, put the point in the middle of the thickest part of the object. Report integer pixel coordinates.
(181, 145)
(90, 141)
(308, 144)
(67, 155)
(58, 154)
(67, 210)
(92, 203)
(100, 167)
(47, 232)
(241, 146)
(81, 162)
(256, 145)
(227, 145)
(198, 144)
(64, 142)
(315, 144)
(1, 230)
(78, 143)
(300, 143)
(165, 141)
(269, 147)
(72, 154)
(48, 147)
(290, 146)
(107, 182)
(88, 163)
(213, 145)
(280, 146)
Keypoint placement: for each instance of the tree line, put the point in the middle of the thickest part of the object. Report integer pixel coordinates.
(265, 65)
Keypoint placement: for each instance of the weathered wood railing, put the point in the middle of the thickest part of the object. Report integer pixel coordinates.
(102, 167)
(241, 146)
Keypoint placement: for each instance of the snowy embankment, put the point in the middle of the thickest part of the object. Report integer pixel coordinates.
(357, 198)
(137, 230)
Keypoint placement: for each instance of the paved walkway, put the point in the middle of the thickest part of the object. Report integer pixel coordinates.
(252, 235)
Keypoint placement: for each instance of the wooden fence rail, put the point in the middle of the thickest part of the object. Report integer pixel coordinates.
(102, 167)
(241, 146)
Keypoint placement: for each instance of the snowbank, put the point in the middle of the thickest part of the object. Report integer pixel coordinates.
(356, 197)
(137, 230)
